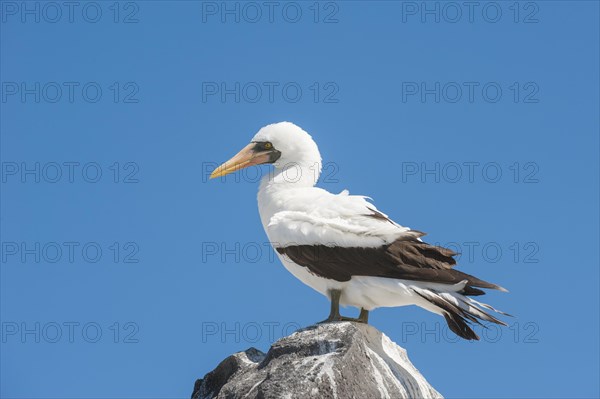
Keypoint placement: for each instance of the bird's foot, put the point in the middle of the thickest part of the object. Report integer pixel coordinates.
(362, 318)
(334, 314)
(338, 318)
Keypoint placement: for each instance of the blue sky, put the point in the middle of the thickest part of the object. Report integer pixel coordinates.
(125, 273)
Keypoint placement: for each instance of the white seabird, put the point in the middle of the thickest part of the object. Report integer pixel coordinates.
(343, 247)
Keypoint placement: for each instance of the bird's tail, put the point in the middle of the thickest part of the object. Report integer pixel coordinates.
(459, 310)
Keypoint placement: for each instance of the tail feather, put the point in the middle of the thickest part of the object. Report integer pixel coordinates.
(460, 327)
(481, 314)
(459, 310)
(485, 305)
(472, 291)
(476, 282)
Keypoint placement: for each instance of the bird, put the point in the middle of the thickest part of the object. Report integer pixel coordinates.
(343, 247)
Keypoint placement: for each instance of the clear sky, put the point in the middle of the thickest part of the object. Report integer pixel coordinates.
(125, 273)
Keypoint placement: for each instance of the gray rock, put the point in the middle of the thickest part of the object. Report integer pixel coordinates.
(333, 360)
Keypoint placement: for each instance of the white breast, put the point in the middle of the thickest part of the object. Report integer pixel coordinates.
(308, 216)
(274, 200)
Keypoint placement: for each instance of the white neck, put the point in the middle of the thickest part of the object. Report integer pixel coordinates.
(292, 175)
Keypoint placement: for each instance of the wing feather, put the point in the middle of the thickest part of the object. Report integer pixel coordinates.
(340, 236)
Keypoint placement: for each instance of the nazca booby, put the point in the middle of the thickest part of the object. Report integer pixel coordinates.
(342, 246)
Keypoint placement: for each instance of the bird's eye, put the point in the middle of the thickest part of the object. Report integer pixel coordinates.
(268, 145)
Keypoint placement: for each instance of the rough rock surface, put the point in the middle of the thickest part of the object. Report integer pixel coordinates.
(333, 360)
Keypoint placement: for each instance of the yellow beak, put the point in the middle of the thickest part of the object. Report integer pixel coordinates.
(246, 157)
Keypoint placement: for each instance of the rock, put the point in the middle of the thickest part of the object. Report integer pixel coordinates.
(333, 360)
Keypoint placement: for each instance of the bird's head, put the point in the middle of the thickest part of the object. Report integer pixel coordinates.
(282, 144)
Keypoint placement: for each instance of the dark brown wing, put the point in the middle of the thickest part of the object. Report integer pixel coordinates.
(420, 254)
(405, 258)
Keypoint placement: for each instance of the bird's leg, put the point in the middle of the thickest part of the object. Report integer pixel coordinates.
(334, 313)
(364, 316)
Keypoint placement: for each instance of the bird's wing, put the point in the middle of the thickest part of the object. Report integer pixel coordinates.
(340, 236)
(318, 217)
